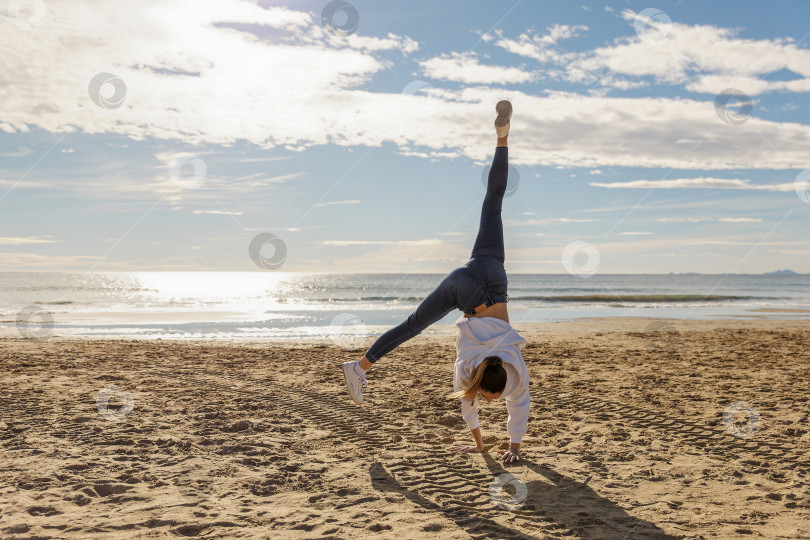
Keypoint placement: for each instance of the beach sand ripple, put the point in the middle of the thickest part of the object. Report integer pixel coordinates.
(692, 431)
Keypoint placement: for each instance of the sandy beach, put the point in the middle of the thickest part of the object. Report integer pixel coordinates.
(627, 438)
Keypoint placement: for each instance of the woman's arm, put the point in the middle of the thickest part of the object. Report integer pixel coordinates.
(479, 443)
(518, 408)
(469, 411)
(512, 454)
(518, 419)
(509, 456)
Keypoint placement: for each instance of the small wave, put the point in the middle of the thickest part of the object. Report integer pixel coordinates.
(391, 298)
(364, 299)
(639, 298)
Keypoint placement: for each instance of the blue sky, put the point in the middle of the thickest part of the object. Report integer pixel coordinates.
(362, 146)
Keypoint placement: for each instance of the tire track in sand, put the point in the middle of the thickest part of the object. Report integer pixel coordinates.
(456, 490)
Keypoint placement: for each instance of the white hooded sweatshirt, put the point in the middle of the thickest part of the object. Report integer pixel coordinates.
(479, 337)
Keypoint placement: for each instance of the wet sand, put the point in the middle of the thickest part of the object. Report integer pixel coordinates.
(627, 438)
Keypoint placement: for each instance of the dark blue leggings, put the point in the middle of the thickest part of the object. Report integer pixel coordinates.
(481, 281)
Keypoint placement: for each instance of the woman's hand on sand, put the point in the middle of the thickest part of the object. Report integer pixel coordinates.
(510, 456)
(469, 449)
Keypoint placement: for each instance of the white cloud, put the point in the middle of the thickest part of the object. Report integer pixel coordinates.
(22, 151)
(465, 67)
(486, 38)
(429, 255)
(222, 212)
(23, 184)
(188, 77)
(524, 222)
(684, 219)
(343, 243)
(539, 47)
(559, 32)
(703, 183)
(290, 229)
(24, 261)
(192, 79)
(182, 185)
(528, 222)
(740, 220)
(571, 130)
(332, 203)
(618, 83)
(740, 243)
(255, 181)
(704, 219)
(20, 240)
(432, 155)
(703, 58)
(634, 233)
(792, 251)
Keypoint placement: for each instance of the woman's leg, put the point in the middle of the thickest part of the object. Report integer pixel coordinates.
(490, 230)
(489, 241)
(441, 301)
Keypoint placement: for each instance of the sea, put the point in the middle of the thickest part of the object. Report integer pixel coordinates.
(286, 305)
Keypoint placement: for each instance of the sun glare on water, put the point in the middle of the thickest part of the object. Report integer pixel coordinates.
(229, 289)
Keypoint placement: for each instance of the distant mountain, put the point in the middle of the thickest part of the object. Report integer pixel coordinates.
(781, 273)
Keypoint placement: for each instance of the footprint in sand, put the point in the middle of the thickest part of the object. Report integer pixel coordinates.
(196, 488)
(43, 511)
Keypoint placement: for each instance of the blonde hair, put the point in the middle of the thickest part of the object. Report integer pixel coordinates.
(492, 367)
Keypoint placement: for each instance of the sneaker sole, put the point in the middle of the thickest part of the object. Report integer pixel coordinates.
(504, 110)
(346, 380)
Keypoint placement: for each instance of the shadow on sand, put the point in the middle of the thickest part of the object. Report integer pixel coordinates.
(554, 506)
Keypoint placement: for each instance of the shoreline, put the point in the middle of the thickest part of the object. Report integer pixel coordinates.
(530, 331)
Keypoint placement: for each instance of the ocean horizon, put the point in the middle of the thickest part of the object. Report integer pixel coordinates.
(273, 305)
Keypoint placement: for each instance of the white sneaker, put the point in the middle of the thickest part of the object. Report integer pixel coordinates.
(354, 382)
(504, 110)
